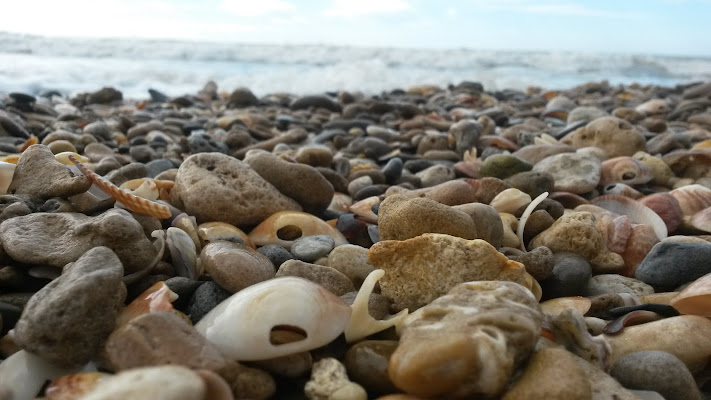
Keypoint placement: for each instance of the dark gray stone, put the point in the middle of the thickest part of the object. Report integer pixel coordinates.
(671, 264)
(276, 254)
(205, 298)
(570, 276)
(657, 371)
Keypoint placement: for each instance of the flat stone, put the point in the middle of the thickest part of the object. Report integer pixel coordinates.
(59, 238)
(613, 283)
(68, 320)
(572, 172)
(656, 371)
(671, 264)
(38, 174)
(311, 248)
(328, 277)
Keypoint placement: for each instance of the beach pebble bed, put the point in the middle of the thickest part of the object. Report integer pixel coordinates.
(423, 243)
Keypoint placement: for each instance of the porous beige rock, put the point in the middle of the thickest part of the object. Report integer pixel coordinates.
(614, 135)
(400, 218)
(577, 232)
(420, 269)
(329, 381)
(217, 187)
(467, 343)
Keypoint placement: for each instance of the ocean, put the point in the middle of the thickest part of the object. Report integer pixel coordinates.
(34, 64)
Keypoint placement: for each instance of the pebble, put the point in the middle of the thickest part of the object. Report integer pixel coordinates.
(59, 238)
(435, 175)
(276, 254)
(534, 183)
(126, 173)
(205, 298)
(352, 261)
(539, 262)
(235, 266)
(38, 174)
(572, 172)
(671, 264)
(155, 167)
(311, 248)
(569, 277)
(421, 269)
(367, 364)
(217, 187)
(67, 321)
(503, 166)
(613, 283)
(330, 278)
(467, 342)
(488, 225)
(564, 378)
(656, 371)
(166, 382)
(615, 136)
(329, 381)
(400, 218)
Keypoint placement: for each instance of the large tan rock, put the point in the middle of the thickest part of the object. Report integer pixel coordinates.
(614, 135)
(420, 269)
(217, 187)
(401, 218)
(467, 343)
(38, 174)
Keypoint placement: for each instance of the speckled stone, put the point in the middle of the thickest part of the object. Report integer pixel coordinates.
(328, 277)
(205, 298)
(235, 266)
(572, 172)
(657, 371)
(367, 364)
(276, 254)
(400, 218)
(311, 248)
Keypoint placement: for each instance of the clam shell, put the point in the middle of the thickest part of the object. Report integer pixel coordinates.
(560, 304)
(211, 231)
(157, 298)
(625, 170)
(702, 220)
(284, 227)
(616, 231)
(74, 386)
(364, 209)
(695, 299)
(639, 244)
(7, 170)
(666, 206)
(692, 199)
(189, 225)
(637, 212)
(240, 326)
(510, 200)
(183, 253)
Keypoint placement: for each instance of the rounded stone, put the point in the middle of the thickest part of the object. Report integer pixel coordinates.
(367, 364)
(67, 321)
(613, 283)
(38, 174)
(671, 264)
(311, 248)
(155, 167)
(488, 189)
(657, 371)
(328, 277)
(503, 166)
(539, 262)
(614, 135)
(393, 170)
(217, 187)
(126, 173)
(276, 254)
(400, 218)
(166, 382)
(235, 266)
(533, 183)
(352, 261)
(315, 156)
(242, 97)
(435, 175)
(205, 298)
(569, 277)
(487, 222)
(60, 146)
(300, 182)
(572, 172)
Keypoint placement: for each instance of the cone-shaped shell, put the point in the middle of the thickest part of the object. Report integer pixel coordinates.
(696, 298)
(240, 326)
(284, 227)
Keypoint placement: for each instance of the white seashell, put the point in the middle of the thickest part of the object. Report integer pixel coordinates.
(362, 324)
(637, 212)
(7, 170)
(364, 209)
(510, 200)
(240, 326)
(524, 217)
(23, 374)
(145, 188)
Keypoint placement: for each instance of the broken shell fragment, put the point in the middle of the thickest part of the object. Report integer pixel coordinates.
(637, 212)
(240, 326)
(695, 299)
(183, 253)
(211, 231)
(364, 209)
(7, 170)
(510, 200)
(157, 298)
(284, 227)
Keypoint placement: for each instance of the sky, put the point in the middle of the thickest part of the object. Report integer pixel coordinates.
(670, 27)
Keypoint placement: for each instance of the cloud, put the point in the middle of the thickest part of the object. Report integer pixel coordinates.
(561, 8)
(255, 8)
(352, 8)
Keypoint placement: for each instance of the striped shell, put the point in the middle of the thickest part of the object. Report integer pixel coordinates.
(129, 200)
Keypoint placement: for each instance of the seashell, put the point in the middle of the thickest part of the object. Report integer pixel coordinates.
(545, 139)
(74, 386)
(695, 299)
(340, 202)
(560, 304)
(11, 158)
(637, 213)
(683, 162)
(361, 323)
(29, 142)
(510, 223)
(624, 170)
(533, 285)
(7, 170)
(63, 157)
(183, 253)
(692, 199)
(144, 188)
(567, 199)
(623, 190)
(284, 227)
(159, 245)
(189, 225)
(666, 206)
(510, 200)
(364, 209)
(639, 244)
(240, 326)
(616, 231)
(633, 318)
(524, 217)
(23, 374)
(702, 220)
(211, 231)
(157, 298)
(129, 200)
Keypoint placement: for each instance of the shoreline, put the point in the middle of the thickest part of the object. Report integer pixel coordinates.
(547, 238)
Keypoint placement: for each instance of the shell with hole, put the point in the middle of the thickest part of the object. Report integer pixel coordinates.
(284, 227)
(625, 170)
